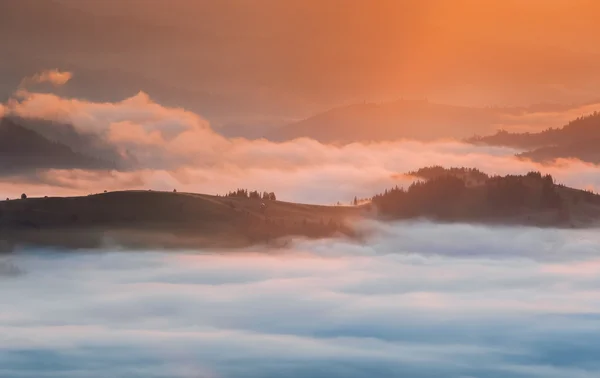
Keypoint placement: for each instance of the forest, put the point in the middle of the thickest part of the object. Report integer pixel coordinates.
(434, 171)
(445, 196)
(254, 194)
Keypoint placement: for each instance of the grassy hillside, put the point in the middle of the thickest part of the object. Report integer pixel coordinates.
(146, 219)
(139, 218)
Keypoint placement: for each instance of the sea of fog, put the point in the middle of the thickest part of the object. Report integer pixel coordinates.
(415, 300)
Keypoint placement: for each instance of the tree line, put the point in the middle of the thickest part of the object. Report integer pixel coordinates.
(447, 197)
(433, 171)
(254, 194)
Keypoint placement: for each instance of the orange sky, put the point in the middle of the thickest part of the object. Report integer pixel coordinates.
(285, 56)
(448, 48)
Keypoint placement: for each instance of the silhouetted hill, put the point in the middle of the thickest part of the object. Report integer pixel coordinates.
(452, 195)
(165, 219)
(145, 219)
(22, 149)
(374, 122)
(578, 139)
(412, 119)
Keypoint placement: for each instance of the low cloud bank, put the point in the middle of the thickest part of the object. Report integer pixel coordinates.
(161, 148)
(418, 300)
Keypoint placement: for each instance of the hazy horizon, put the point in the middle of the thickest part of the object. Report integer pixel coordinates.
(299, 188)
(146, 145)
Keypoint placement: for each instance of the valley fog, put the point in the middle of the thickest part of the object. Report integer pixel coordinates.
(417, 299)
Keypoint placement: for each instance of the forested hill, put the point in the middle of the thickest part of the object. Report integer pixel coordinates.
(513, 199)
(578, 139)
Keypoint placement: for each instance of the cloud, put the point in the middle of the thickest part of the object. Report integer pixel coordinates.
(136, 127)
(418, 300)
(54, 77)
(161, 148)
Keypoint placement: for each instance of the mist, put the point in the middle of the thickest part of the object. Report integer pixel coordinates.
(163, 163)
(417, 299)
(157, 147)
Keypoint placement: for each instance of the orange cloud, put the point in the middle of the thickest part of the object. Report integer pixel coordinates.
(54, 77)
(170, 148)
(131, 133)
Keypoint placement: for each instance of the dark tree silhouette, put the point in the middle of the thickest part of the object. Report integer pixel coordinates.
(447, 197)
(435, 171)
(244, 193)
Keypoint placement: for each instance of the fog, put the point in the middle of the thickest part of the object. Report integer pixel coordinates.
(161, 148)
(417, 300)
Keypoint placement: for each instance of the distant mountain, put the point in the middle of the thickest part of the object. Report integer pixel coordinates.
(22, 150)
(578, 139)
(412, 119)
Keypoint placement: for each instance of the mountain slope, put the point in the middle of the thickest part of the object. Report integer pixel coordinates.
(23, 150)
(578, 139)
(413, 119)
(144, 219)
(454, 195)
(165, 219)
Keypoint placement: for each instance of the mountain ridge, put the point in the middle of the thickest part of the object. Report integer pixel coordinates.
(171, 220)
(578, 139)
(24, 150)
(403, 119)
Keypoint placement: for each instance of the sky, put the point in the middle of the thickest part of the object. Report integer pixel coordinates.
(268, 62)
